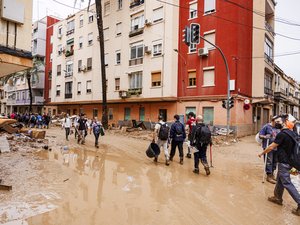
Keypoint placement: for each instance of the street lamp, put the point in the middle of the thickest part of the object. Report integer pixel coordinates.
(176, 50)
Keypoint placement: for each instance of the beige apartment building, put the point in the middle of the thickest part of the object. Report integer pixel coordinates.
(263, 68)
(15, 39)
(141, 64)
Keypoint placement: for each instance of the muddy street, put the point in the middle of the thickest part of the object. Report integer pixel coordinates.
(118, 184)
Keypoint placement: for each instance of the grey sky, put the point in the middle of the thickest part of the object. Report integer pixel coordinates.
(287, 9)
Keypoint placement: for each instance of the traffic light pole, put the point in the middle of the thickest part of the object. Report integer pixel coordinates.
(228, 82)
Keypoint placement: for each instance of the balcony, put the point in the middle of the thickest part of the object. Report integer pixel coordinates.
(280, 94)
(268, 91)
(269, 28)
(136, 31)
(69, 53)
(69, 95)
(138, 61)
(135, 91)
(68, 74)
(135, 3)
(70, 32)
(269, 60)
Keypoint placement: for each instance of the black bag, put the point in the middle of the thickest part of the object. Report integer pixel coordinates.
(179, 129)
(294, 157)
(163, 133)
(203, 135)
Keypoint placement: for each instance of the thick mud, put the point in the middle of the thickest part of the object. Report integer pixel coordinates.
(118, 184)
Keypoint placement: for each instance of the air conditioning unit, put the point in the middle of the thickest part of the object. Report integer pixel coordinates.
(147, 50)
(59, 36)
(83, 68)
(148, 22)
(123, 94)
(203, 52)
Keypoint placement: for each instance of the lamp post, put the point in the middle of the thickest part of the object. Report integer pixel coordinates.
(228, 81)
(184, 61)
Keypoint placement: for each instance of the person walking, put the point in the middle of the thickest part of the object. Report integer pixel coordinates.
(67, 124)
(81, 129)
(96, 126)
(178, 135)
(201, 138)
(189, 127)
(285, 144)
(268, 134)
(160, 137)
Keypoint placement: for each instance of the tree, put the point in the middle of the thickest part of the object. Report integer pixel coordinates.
(102, 59)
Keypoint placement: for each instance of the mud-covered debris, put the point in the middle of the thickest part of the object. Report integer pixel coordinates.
(4, 145)
(46, 147)
(10, 137)
(5, 187)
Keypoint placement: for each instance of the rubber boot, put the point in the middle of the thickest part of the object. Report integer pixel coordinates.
(181, 161)
(270, 179)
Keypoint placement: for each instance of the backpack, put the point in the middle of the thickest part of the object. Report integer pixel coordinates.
(178, 129)
(96, 129)
(294, 157)
(202, 135)
(163, 133)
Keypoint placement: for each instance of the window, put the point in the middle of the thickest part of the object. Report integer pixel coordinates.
(188, 110)
(117, 84)
(268, 49)
(79, 88)
(79, 65)
(127, 113)
(80, 42)
(106, 34)
(95, 112)
(69, 69)
(135, 80)
(136, 54)
(70, 27)
(60, 30)
(68, 89)
(137, 22)
(90, 38)
(57, 90)
(209, 6)
(110, 114)
(268, 85)
(156, 79)
(193, 10)
(142, 113)
(89, 64)
(58, 72)
(192, 78)
(211, 36)
(208, 115)
(91, 17)
(192, 48)
(59, 50)
(70, 47)
(106, 59)
(81, 21)
(157, 49)
(158, 14)
(118, 57)
(118, 29)
(208, 77)
(120, 4)
(89, 86)
(106, 8)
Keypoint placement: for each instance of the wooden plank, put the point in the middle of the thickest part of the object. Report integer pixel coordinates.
(5, 187)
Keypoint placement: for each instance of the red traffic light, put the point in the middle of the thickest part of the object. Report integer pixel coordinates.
(246, 106)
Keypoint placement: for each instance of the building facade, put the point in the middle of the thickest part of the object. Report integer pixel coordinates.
(141, 65)
(15, 39)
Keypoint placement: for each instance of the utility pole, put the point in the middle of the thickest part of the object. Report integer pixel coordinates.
(102, 59)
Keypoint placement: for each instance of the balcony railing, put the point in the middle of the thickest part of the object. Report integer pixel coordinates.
(68, 95)
(268, 91)
(135, 91)
(136, 31)
(135, 3)
(269, 28)
(133, 62)
(269, 59)
(69, 53)
(70, 31)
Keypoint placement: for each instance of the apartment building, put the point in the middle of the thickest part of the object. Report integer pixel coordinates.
(16, 86)
(202, 77)
(15, 39)
(141, 65)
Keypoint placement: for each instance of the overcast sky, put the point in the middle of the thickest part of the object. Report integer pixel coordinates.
(285, 9)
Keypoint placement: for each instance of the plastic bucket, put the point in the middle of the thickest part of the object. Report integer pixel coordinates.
(152, 150)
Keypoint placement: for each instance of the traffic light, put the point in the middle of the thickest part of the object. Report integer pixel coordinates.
(186, 35)
(246, 104)
(224, 104)
(195, 33)
(231, 102)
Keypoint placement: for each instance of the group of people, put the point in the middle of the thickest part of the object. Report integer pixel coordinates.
(199, 137)
(32, 120)
(83, 126)
(280, 139)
